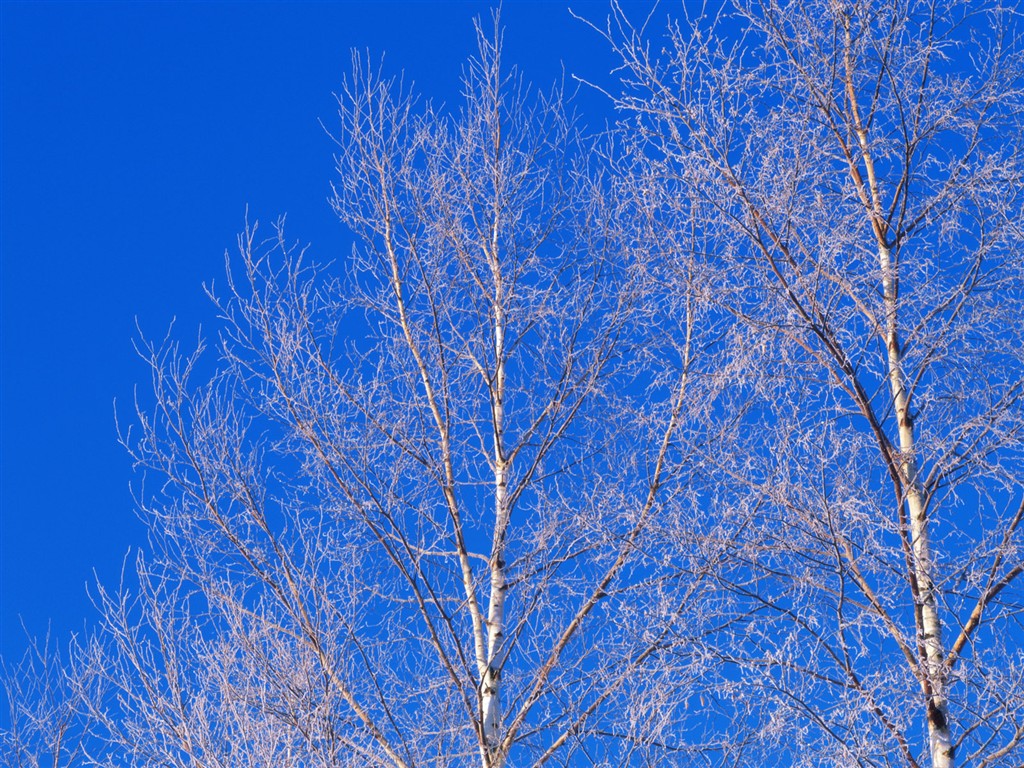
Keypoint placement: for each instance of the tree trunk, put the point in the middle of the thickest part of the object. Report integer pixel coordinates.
(933, 672)
(490, 697)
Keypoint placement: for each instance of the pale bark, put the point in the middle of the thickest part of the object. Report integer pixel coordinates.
(933, 671)
(494, 661)
(933, 668)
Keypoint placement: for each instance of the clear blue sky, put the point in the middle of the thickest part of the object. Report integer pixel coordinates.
(134, 135)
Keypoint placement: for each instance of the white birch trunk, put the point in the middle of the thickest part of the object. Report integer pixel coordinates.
(933, 672)
(933, 679)
(490, 685)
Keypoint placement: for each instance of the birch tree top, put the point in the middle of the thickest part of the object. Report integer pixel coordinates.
(134, 138)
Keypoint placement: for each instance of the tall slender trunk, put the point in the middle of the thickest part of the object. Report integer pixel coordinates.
(933, 672)
(491, 683)
(490, 694)
(933, 679)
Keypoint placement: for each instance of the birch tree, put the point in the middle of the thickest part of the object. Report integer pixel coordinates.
(413, 508)
(858, 173)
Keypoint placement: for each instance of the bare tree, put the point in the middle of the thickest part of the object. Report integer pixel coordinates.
(700, 446)
(419, 509)
(855, 169)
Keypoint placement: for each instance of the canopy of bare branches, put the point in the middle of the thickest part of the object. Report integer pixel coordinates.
(699, 442)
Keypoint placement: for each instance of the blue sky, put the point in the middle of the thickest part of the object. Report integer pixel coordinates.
(134, 136)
